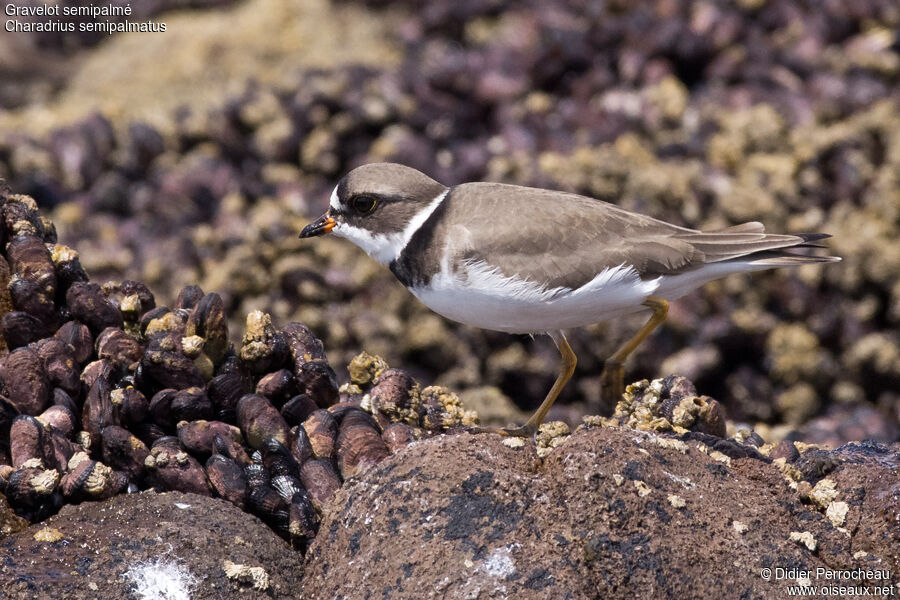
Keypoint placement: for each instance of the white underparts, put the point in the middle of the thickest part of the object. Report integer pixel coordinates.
(483, 297)
(385, 247)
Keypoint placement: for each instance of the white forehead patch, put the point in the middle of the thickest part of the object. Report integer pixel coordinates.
(385, 247)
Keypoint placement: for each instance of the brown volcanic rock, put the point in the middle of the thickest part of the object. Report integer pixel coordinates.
(101, 547)
(610, 513)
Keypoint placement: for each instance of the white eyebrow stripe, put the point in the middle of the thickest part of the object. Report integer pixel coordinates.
(335, 203)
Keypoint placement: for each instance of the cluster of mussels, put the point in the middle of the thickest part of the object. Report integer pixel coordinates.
(103, 392)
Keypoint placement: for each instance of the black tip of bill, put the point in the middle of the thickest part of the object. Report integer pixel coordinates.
(320, 226)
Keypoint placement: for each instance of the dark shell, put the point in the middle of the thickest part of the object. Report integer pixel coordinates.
(320, 479)
(153, 313)
(119, 347)
(60, 418)
(130, 406)
(68, 268)
(278, 387)
(123, 451)
(29, 486)
(144, 296)
(148, 432)
(278, 459)
(303, 518)
(297, 409)
(287, 486)
(397, 436)
(321, 427)
(26, 383)
(28, 439)
(61, 398)
(28, 296)
(21, 328)
(227, 480)
(97, 412)
(60, 365)
(318, 381)
(259, 421)
(256, 475)
(301, 449)
(79, 337)
(270, 507)
(21, 217)
(304, 346)
(231, 449)
(91, 479)
(359, 445)
(349, 415)
(188, 297)
(90, 306)
(714, 419)
(161, 408)
(191, 404)
(392, 392)
(164, 369)
(169, 469)
(209, 321)
(199, 436)
(30, 259)
(224, 391)
(263, 349)
(61, 449)
(92, 371)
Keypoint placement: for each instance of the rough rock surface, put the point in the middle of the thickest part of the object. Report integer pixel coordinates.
(610, 513)
(104, 550)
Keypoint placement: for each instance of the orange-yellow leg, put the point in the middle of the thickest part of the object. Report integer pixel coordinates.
(531, 427)
(612, 379)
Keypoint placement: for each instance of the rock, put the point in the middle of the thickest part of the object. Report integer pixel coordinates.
(184, 537)
(466, 516)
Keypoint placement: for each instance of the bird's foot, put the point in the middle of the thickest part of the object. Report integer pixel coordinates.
(525, 431)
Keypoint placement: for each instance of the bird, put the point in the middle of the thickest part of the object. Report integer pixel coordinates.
(526, 260)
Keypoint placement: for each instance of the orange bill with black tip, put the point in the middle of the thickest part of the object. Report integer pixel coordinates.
(320, 226)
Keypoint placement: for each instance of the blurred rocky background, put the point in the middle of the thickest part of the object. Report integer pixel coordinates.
(196, 155)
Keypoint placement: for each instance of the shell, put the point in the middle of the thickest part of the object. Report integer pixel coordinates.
(231, 449)
(170, 468)
(278, 387)
(396, 395)
(287, 486)
(60, 418)
(320, 479)
(303, 345)
(130, 406)
(256, 475)
(297, 409)
(263, 348)
(270, 507)
(160, 408)
(259, 421)
(397, 436)
(97, 411)
(135, 299)
(191, 404)
(303, 520)
(359, 445)
(301, 449)
(60, 451)
(162, 369)
(27, 296)
(60, 364)
(79, 337)
(88, 304)
(33, 284)
(30, 485)
(20, 329)
(68, 267)
(119, 347)
(224, 391)
(278, 460)
(90, 479)
(25, 380)
(227, 480)
(208, 320)
(123, 451)
(188, 297)
(28, 439)
(318, 381)
(321, 427)
(150, 316)
(199, 436)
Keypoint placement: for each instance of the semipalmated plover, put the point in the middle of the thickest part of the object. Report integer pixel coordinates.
(527, 260)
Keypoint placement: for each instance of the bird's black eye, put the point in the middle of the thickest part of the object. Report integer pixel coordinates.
(363, 204)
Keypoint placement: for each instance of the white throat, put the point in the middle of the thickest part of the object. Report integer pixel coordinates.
(385, 247)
